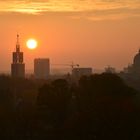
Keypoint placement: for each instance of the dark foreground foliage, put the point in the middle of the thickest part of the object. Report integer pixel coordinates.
(98, 107)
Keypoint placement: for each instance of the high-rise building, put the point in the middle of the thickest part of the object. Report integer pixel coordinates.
(41, 68)
(17, 66)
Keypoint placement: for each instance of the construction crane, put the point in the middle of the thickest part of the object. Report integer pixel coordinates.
(72, 65)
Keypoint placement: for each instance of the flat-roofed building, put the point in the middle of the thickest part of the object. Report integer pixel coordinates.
(41, 68)
(78, 72)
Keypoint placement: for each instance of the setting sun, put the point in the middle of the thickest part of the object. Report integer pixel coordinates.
(31, 43)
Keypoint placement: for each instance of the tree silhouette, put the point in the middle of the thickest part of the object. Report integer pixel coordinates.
(55, 98)
(106, 109)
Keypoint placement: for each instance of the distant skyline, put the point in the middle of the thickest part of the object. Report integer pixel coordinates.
(94, 33)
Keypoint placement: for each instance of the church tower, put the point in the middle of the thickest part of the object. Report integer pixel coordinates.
(18, 66)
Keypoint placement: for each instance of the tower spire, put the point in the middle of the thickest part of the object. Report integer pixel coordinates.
(17, 44)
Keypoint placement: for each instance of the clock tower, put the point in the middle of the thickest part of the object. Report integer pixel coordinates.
(18, 66)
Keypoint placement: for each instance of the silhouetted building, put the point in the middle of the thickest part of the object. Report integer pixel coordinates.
(78, 72)
(17, 66)
(136, 63)
(134, 69)
(42, 68)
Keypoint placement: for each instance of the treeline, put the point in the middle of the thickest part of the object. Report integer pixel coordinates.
(98, 107)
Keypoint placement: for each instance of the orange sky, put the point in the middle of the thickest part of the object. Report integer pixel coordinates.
(93, 33)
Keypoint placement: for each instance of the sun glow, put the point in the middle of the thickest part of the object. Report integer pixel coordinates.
(31, 44)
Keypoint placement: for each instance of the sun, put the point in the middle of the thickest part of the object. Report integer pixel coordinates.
(31, 43)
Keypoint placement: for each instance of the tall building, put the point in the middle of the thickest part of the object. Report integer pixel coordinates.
(41, 68)
(17, 66)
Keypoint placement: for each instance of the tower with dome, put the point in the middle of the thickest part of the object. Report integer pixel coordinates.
(134, 69)
(136, 62)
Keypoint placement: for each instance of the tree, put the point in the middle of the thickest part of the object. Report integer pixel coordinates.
(106, 109)
(55, 98)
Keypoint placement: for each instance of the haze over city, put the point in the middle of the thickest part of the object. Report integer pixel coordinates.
(91, 33)
(70, 69)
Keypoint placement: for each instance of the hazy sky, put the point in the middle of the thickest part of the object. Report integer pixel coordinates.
(93, 33)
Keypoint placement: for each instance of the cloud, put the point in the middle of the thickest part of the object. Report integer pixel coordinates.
(89, 9)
